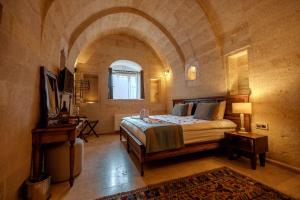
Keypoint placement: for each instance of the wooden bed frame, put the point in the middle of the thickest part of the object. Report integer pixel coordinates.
(138, 148)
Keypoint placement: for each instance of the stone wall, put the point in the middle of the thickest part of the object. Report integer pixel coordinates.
(32, 33)
(272, 31)
(20, 60)
(19, 86)
(97, 58)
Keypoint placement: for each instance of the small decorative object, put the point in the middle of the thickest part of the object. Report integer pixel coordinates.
(53, 122)
(242, 108)
(64, 108)
(144, 113)
(76, 110)
(64, 114)
(152, 121)
(38, 190)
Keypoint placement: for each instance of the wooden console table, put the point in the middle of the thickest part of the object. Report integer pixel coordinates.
(52, 135)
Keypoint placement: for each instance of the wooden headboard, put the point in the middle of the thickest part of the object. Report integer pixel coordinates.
(228, 112)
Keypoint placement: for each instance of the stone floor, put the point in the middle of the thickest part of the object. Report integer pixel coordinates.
(108, 169)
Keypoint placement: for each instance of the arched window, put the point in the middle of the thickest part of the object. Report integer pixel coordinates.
(125, 80)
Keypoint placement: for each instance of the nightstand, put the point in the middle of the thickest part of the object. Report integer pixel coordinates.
(247, 144)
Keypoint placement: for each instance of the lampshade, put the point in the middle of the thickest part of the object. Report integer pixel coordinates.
(245, 108)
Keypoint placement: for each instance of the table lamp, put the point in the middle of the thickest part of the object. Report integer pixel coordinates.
(242, 108)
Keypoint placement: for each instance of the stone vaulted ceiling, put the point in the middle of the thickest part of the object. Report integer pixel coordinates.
(178, 30)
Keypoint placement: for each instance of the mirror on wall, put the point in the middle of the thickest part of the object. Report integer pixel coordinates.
(51, 100)
(49, 96)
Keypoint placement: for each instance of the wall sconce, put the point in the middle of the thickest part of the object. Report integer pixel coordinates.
(166, 72)
(192, 73)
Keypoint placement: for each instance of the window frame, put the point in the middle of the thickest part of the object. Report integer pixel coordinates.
(136, 71)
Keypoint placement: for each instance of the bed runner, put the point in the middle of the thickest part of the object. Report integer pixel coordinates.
(160, 135)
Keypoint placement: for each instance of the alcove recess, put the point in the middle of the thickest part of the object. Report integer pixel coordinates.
(86, 88)
(155, 90)
(237, 72)
(90, 95)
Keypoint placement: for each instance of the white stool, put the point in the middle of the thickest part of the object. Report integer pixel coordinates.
(57, 160)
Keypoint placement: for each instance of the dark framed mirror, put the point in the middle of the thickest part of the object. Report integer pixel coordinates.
(49, 102)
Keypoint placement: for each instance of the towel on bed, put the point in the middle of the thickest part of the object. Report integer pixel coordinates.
(160, 135)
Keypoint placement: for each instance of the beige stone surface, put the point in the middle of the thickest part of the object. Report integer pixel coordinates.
(33, 32)
(19, 82)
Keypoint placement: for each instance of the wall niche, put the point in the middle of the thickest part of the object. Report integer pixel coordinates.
(237, 70)
(155, 85)
(90, 94)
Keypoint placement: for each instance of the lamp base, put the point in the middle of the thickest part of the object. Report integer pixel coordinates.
(244, 132)
(242, 127)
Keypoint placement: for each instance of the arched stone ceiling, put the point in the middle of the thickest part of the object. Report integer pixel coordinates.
(82, 43)
(115, 10)
(102, 27)
(213, 20)
(45, 6)
(88, 51)
(184, 24)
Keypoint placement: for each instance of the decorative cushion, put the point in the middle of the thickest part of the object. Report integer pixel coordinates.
(205, 111)
(190, 107)
(180, 109)
(220, 111)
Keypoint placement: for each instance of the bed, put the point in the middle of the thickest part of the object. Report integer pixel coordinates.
(198, 135)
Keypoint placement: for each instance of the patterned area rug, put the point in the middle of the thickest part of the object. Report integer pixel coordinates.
(221, 183)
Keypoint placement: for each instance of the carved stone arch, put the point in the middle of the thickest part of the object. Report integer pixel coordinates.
(97, 29)
(115, 10)
(75, 18)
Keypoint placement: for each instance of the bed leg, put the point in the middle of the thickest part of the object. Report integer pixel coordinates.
(142, 168)
(128, 146)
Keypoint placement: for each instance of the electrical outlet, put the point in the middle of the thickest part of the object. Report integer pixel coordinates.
(262, 126)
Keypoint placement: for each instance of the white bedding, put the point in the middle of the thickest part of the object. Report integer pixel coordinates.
(194, 130)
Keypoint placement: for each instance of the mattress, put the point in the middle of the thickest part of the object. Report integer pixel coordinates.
(194, 130)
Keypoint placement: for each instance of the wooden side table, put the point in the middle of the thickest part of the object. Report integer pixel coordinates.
(248, 144)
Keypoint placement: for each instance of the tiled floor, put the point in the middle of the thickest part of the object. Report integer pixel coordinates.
(108, 169)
